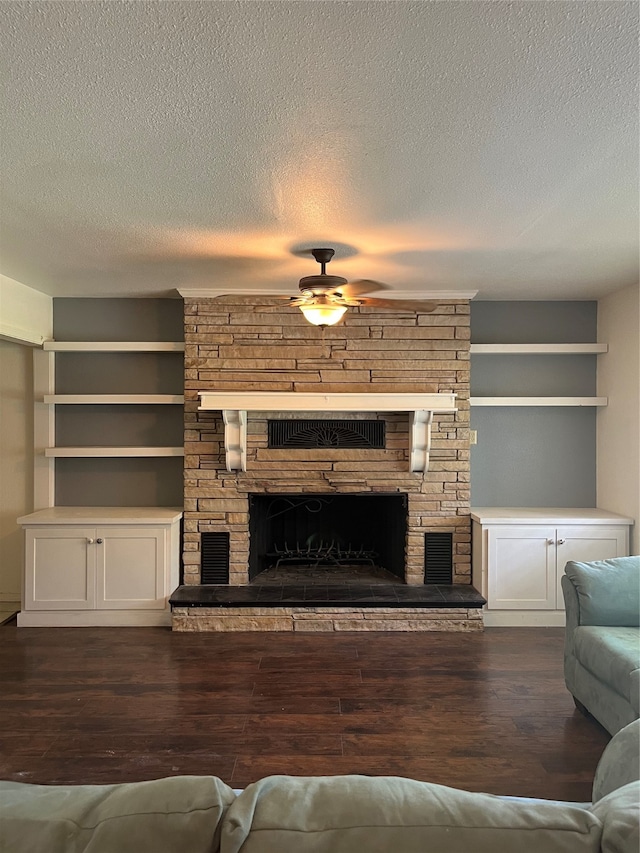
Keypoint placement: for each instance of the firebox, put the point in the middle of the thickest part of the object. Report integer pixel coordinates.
(318, 530)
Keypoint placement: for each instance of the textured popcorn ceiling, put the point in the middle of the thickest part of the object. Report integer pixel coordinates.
(457, 146)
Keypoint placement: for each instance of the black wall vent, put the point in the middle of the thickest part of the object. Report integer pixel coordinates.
(215, 558)
(438, 558)
(308, 434)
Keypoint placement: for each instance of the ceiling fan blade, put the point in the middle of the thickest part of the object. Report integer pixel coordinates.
(354, 288)
(292, 302)
(401, 304)
(254, 297)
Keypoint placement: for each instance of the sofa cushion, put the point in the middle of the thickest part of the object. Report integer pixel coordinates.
(619, 813)
(611, 654)
(352, 814)
(619, 763)
(181, 813)
(608, 591)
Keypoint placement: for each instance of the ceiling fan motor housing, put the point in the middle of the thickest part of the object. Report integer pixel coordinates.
(321, 283)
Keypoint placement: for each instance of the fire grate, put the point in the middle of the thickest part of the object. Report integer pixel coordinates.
(311, 434)
(324, 553)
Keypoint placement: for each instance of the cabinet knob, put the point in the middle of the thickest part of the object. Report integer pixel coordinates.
(560, 541)
(550, 542)
(89, 541)
(99, 541)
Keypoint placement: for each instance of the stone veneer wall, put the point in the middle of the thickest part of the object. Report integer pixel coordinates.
(232, 346)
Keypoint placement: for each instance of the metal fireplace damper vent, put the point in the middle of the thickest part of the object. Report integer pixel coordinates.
(311, 434)
(215, 558)
(438, 558)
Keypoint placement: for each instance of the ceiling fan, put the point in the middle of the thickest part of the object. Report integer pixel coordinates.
(325, 298)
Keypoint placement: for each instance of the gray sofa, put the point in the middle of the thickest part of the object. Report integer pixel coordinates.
(328, 814)
(602, 639)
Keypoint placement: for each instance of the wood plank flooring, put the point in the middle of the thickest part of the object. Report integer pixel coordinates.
(485, 712)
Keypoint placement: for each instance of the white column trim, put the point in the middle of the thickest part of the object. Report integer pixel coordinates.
(235, 439)
(44, 430)
(420, 440)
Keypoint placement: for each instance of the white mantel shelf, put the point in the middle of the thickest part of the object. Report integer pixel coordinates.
(235, 405)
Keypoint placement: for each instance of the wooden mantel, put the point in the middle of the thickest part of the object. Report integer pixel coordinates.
(235, 406)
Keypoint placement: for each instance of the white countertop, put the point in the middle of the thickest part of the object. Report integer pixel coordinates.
(103, 515)
(546, 515)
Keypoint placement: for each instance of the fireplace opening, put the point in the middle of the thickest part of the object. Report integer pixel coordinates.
(319, 538)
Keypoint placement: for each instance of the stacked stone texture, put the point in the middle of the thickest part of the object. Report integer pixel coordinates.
(317, 620)
(233, 346)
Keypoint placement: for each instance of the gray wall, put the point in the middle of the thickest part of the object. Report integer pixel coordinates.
(118, 320)
(148, 481)
(533, 322)
(533, 456)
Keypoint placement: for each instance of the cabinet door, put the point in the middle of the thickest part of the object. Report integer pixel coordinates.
(131, 564)
(521, 568)
(585, 543)
(59, 568)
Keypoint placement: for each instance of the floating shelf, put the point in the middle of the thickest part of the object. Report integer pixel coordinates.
(538, 401)
(538, 349)
(77, 452)
(114, 346)
(131, 399)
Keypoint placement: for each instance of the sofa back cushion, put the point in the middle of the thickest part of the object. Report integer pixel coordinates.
(608, 591)
(181, 813)
(353, 814)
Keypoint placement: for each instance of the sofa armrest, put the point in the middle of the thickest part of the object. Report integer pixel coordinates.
(571, 603)
(607, 591)
(572, 620)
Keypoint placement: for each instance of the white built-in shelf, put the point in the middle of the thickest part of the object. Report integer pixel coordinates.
(131, 399)
(77, 452)
(538, 401)
(114, 346)
(538, 349)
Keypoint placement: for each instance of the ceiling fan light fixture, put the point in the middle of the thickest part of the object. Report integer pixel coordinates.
(323, 315)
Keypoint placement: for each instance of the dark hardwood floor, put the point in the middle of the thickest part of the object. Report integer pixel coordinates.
(485, 712)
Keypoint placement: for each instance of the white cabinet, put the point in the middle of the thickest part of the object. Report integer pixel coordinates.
(59, 569)
(519, 557)
(99, 566)
(521, 570)
(130, 568)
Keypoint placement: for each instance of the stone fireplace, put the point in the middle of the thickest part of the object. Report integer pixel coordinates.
(237, 356)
